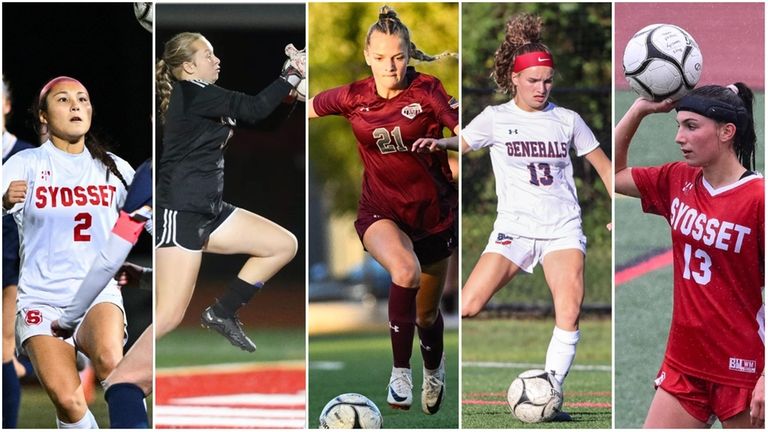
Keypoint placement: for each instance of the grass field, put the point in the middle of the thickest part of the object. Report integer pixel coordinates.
(197, 346)
(494, 352)
(361, 363)
(643, 306)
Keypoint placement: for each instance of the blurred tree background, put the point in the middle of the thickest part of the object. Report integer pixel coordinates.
(579, 36)
(337, 34)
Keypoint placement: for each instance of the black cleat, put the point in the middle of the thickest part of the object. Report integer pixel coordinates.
(229, 327)
(562, 416)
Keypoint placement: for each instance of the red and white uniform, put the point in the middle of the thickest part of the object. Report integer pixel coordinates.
(718, 245)
(415, 190)
(71, 206)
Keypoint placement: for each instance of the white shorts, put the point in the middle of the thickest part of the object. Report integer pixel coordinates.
(36, 320)
(526, 252)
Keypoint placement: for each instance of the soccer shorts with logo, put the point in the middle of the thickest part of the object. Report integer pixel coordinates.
(527, 252)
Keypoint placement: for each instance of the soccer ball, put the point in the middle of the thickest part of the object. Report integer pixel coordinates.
(662, 61)
(145, 14)
(350, 411)
(535, 396)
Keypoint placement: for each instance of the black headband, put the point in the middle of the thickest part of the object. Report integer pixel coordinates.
(714, 109)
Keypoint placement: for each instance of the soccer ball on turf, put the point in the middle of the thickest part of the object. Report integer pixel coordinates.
(350, 411)
(662, 61)
(145, 14)
(535, 396)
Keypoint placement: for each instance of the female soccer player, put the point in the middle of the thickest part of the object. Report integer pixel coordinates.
(198, 119)
(131, 380)
(539, 218)
(713, 202)
(64, 197)
(406, 218)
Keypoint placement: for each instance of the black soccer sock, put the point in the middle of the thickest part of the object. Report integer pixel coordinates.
(239, 292)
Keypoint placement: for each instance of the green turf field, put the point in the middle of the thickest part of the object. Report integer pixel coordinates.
(364, 362)
(197, 346)
(512, 346)
(643, 307)
(37, 410)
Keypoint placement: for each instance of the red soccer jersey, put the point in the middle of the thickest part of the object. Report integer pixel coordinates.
(718, 246)
(415, 190)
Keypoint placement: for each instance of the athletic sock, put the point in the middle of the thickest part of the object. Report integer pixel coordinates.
(126, 406)
(11, 396)
(87, 422)
(239, 292)
(561, 352)
(402, 323)
(431, 342)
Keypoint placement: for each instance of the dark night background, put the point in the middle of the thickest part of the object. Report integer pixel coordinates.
(104, 47)
(265, 171)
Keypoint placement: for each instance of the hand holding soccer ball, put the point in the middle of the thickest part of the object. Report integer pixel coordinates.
(295, 70)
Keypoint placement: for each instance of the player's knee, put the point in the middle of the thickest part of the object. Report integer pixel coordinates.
(69, 404)
(406, 274)
(426, 318)
(290, 245)
(470, 307)
(104, 363)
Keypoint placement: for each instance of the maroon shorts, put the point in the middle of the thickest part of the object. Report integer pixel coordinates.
(429, 249)
(702, 398)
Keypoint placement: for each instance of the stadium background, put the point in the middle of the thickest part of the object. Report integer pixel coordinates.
(730, 37)
(265, 173)
(104, 47)
(519, 317)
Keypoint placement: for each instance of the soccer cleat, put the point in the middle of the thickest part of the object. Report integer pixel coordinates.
(229, 327)
(433, 389)
(400, 389)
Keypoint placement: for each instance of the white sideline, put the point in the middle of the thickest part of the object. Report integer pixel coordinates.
(506, 365)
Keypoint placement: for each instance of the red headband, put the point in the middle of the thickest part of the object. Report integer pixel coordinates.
(536, 58)
(47, 87)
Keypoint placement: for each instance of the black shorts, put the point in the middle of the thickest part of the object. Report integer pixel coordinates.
(188, 230)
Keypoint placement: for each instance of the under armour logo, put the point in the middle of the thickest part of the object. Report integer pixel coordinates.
(394, 328)
(424, 347)
(511, 130)
(688, 186)
(364, 109)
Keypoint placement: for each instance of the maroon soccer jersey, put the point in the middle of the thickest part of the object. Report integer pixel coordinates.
(415, 190)
(718, 246)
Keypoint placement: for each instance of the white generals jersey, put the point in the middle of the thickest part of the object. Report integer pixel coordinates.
(70, 209)
(534, 176)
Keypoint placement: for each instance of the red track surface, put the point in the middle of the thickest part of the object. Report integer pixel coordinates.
(240, 397)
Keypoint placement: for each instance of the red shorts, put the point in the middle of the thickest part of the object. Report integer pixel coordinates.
(703, 398)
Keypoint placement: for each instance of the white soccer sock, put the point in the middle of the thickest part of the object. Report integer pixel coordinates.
(87, 422)
(561, 352)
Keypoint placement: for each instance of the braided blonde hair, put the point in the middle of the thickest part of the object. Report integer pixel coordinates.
(177, 51)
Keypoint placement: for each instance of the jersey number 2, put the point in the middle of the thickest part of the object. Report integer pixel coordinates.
(546, 175)
(384, 140)
(704, 274)
(84, 221)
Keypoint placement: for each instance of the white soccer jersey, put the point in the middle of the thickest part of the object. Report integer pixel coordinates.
(534, 176)
(69, 211)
